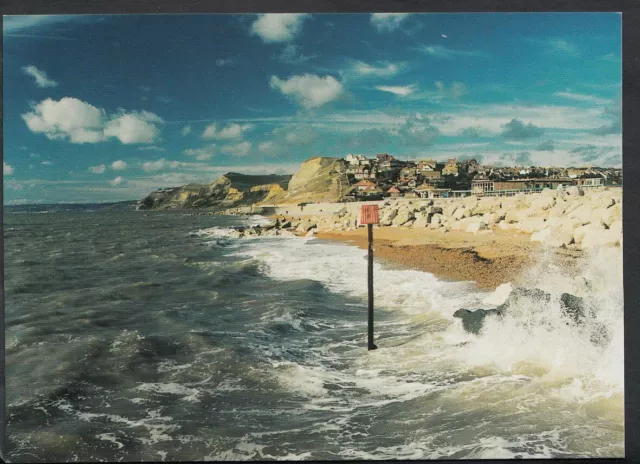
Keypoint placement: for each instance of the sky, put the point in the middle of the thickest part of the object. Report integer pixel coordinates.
(102, 108)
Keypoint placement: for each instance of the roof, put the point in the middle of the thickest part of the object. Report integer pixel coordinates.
(393, 190)
(425, 186)
(365, 183)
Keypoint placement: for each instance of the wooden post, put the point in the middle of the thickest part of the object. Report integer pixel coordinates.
(370, 216)
(370, 344)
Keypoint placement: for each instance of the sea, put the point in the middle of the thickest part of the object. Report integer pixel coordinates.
(155, 336)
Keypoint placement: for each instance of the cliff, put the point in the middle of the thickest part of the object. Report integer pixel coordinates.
(230, 190)
(319, 179)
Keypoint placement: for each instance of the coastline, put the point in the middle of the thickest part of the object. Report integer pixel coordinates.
(489, 260)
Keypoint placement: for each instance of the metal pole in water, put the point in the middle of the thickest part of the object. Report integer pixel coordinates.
(371, 345)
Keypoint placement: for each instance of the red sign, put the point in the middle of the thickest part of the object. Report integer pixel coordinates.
(370, 214)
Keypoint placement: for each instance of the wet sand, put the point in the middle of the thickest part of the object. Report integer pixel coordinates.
(487, 259)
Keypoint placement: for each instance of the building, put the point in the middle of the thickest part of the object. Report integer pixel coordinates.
(483, 186)
(590, 180)
(480, 186)
(426, 166)
(451, 168)
(431, 175)
(394, 192)
(365, 173)
(423, 190)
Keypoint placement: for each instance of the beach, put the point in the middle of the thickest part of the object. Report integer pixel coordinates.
(489, 260)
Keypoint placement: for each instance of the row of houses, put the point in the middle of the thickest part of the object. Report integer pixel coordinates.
(385, 176)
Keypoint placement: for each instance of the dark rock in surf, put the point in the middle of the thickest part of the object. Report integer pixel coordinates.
(472, 321)
(573, 307)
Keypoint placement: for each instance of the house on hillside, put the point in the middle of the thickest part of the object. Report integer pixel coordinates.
(591, 180)
(450, 168)
(425, 166)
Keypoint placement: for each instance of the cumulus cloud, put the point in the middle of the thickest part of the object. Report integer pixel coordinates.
(97, 169)
(42, 80)
(401, 91)
(7, 170)
(298, 135)
(223, 62)
(119, 165)
(387, 22)
(230, 132)
(308, 90)
(79, 122)
(47, 163)
(363, 69)
(517, 130)
(118, 181)
(278, 27)
(186, 130)
(134, 127)
(471, 132)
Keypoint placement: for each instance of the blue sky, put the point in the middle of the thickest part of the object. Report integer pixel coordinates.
(109, 108)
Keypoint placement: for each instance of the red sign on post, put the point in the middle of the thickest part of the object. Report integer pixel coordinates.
(370, 214)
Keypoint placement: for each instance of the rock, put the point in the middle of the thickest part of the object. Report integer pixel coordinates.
(434, 226)
(472, 321)
(460, 213)
(476, 227)
(421, 222)
(573, 307)
(436, 218)
(499, 295)
(546, 192)
(542, 203)
(583, 214)
(388, 218)
(609, 215)
(402, 217)
(594, 238)
(531, 225)
(616, 227)
(574, 191)
(433, 210)
(311, 233)
(580, 232)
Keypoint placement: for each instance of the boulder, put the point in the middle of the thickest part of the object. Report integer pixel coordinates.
(593, 238)
(583, 213)
(547, 192)
(574, 191)
(609, 215)
(472, 321)
(616, 227)
(542, 203)
(580, 232)
(436, 218)
(421, 222)
(531, 225)
(403, 216)
(573, 307)
(388, 217)
(460, 213)
(476, 226)
(433, 210)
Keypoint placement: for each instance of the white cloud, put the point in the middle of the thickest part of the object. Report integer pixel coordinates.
(118, 181)
(223, 62)
(7, 170)
(439, 51)
(16, 23)
(119, 165)
(582, 97)
(135, 127)
(230, 132)
(387, 22)
(154, 165)
(67, 118)
(278, 27)
(238, 149)
(455, 90)
(97, 169)
(402, 91)
(384, 69)
(47, 163)
(201, 154)
(80, 122)
(308, 90)
(42, 80)
(186, 130)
